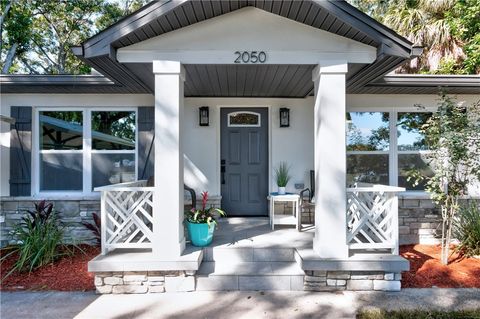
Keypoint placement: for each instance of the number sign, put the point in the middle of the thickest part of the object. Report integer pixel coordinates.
(250, 57)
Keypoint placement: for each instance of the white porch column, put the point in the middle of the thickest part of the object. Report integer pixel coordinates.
(330, 160)
(169, 238)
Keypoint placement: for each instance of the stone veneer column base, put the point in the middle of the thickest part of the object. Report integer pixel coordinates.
(351, 280)
(141, 282)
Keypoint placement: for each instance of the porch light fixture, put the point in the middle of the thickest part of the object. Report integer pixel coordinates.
(203, 116)
(284, 117)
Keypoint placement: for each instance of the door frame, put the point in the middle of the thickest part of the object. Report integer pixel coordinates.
(219, 140)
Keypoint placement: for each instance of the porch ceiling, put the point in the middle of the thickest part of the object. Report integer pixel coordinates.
(202, 80)
(267, 80)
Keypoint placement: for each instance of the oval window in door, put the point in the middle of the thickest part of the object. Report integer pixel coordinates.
(244, 119)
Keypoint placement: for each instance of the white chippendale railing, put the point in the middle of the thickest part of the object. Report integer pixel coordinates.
(372, 218)
(127, 215)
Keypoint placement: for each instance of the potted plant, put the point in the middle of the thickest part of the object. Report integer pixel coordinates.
(282, 176)
(201, 223)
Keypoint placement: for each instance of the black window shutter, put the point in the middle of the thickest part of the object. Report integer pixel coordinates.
(21, 151)
(146, 127)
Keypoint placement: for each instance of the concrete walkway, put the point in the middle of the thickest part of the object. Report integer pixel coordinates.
(228, 304)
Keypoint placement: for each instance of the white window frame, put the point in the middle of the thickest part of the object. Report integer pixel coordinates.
(87, 151)
(387, 152)
(393, 145)
(244, 125)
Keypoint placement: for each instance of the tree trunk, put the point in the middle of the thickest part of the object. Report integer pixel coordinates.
(9, 58)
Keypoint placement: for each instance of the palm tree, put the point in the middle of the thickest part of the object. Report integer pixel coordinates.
(426, 24)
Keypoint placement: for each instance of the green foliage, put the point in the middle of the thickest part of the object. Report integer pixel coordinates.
(467, 230)
(282, 174)
(39, 238)
(448, 30)
(44, 31)
(204, 215)
(452, 133)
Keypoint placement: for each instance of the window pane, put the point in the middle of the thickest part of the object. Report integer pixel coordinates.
(113, 130)
(112, 169)
(243, 119)
(61, 130)
(367, 169)
(408, 162)
(368, 131)
(409, 136)
(60, 172)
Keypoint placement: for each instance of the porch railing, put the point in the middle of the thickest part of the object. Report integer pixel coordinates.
(127, 215)
(372, 218)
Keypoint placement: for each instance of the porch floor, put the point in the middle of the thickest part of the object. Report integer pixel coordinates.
(247, 246)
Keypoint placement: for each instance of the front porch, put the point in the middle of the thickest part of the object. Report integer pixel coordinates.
(247, 254)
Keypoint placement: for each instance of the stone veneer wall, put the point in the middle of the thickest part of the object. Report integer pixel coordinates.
(419, 220)
(140, 282)
(72, 213)
(351, 280)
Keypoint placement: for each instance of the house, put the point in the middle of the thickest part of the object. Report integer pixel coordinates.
(215, 94)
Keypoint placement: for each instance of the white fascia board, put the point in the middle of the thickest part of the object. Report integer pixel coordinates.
(228, 57)
(215, 41)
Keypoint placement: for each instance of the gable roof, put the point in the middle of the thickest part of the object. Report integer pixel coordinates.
(159, 17)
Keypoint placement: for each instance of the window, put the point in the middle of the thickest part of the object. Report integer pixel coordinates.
(412, 149)
(83, 149)
(368, 143)
(244, 119)
(113, 147)
(383, 147)
(61, 146)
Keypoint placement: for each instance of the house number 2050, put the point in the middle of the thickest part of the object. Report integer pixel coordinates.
(250, 57)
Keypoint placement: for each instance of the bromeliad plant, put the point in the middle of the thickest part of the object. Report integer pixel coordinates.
(204, 215)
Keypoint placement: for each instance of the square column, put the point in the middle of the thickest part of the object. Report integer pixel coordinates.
(168, 232)
(330, 239)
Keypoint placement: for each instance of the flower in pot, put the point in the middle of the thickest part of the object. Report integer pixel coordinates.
(282, 176)
(201, 223)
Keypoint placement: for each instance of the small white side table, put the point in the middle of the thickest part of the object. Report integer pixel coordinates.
(280, 219)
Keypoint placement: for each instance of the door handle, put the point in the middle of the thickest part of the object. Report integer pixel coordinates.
(222, 170)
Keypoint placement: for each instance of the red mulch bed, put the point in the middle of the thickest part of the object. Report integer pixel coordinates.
(70, 273)
(66, 274)
(427, 271)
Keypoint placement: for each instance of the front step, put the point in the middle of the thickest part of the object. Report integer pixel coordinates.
(248, 254)
(247, 276)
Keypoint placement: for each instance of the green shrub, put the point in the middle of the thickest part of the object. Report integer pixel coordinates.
(467, 230)
(39, 239)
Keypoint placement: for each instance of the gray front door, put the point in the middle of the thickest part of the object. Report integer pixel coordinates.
(244, 161)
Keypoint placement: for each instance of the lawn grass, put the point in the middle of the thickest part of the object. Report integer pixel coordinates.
(418, 314)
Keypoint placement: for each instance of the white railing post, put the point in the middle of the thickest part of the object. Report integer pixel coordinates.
(103, 224)
(394, 208)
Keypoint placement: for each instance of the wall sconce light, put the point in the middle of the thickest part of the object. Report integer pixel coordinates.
(203, 116)
(284, 117)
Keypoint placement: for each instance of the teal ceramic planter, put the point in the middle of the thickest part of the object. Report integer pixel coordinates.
(200, 234)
